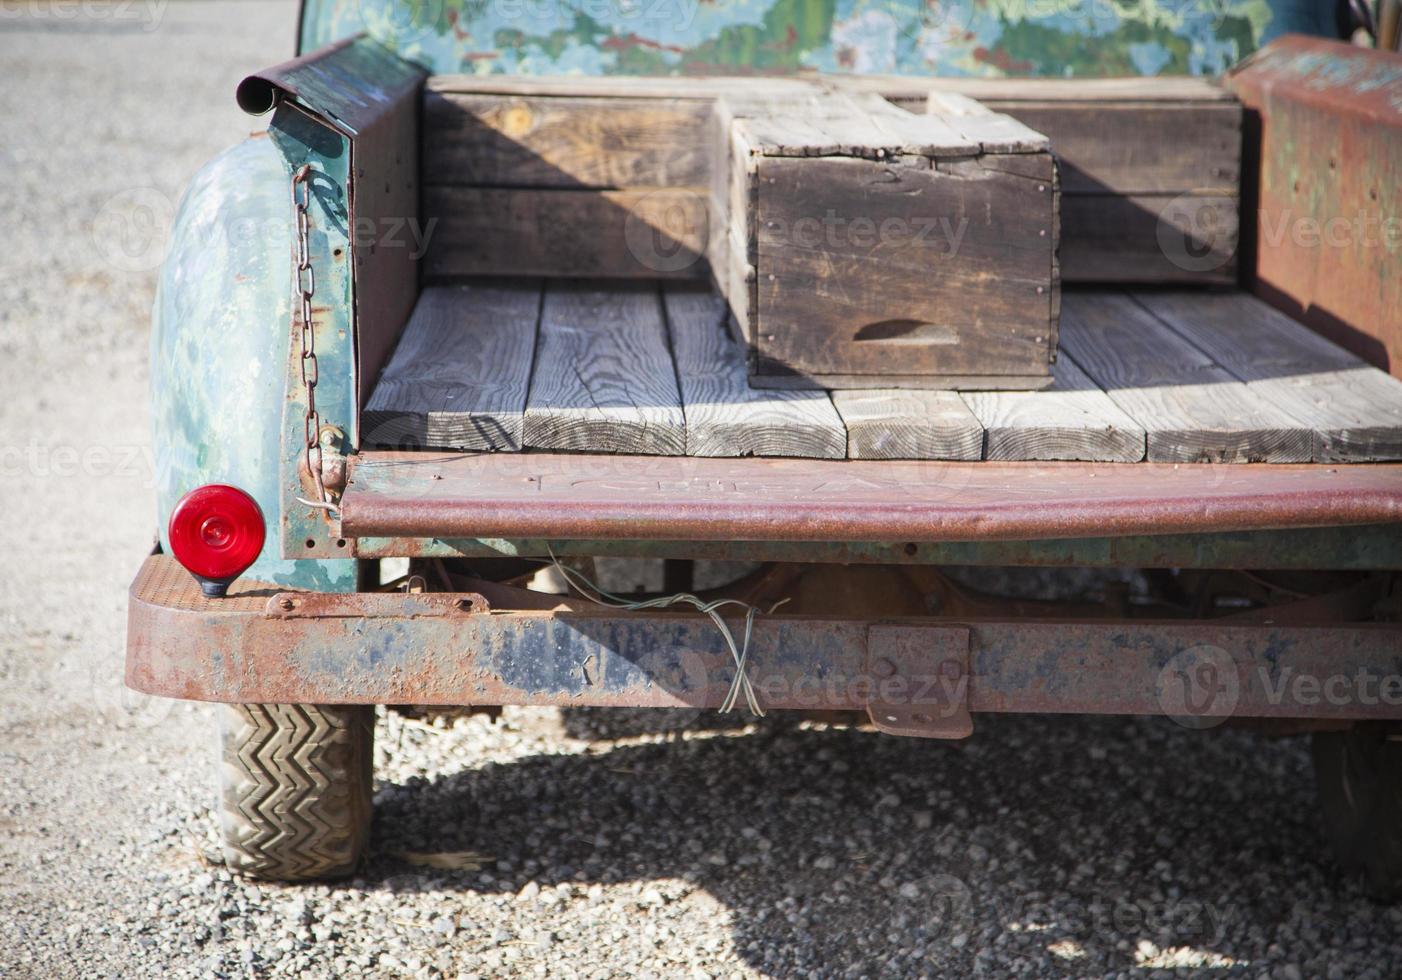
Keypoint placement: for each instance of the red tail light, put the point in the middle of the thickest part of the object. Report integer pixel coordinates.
(216, 532)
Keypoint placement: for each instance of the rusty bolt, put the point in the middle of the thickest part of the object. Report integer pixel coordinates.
(287, 604)
(884, 667)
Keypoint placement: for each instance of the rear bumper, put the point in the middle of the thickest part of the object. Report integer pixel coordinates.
(418, 495)
(915, 675)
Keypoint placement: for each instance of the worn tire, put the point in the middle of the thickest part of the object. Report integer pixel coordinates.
(1359, 772)
(296, 784)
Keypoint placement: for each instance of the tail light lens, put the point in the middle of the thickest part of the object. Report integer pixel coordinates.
(216, 532)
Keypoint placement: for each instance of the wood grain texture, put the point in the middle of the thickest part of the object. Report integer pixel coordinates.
(905, 267)
(1139, 148)
(603, 378)
(724, 415)
(900, 424)
(1149, 238)
(1164, 88)
(1071, 420)
(707, 87)
(1353, 409)
(1192, 410)
(538, 141)
(459, 377)
(995, 132)
(648, 234)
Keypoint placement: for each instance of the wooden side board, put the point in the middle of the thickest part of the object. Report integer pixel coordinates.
(1150, 188)
(640, 233)
(524, 140)
(1150, 167)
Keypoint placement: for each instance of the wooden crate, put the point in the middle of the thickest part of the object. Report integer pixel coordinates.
(863, 246)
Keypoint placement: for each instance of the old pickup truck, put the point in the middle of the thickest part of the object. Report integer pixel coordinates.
(466, 311)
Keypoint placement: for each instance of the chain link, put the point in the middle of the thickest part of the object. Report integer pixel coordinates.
(306, 288)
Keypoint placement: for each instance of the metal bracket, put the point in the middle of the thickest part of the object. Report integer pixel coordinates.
(374, 605)
(919, 680)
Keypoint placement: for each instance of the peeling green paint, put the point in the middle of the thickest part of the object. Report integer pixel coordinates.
(906, 37)
(219, 347)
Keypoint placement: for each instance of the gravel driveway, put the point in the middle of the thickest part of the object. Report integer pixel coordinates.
(606, 844)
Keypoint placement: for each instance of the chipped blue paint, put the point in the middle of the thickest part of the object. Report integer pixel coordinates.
(219, 348)
(905, 37)
(302, 139)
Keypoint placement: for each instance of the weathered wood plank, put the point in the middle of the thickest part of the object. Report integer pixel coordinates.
(459, 377)
(1071, 420)
(915, 89)
(707, 87)
(1139, 148)
(604, 379)
(994, 131)
(1149, 238)
(1191, 409)
(856, 278)
(724, 415)
(534, 141)
(638, 233)
(1354, 410)
(901, 424)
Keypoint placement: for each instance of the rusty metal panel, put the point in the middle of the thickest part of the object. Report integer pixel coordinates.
(1328, 229)
(691, 498)
(394, 648)
(1362, 547)
(370, 96)
(904, 659)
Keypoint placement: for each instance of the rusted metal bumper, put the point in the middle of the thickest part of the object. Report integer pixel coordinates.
(524, 495)
(922, 676)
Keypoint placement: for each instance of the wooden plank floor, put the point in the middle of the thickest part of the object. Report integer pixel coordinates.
(1180, 376)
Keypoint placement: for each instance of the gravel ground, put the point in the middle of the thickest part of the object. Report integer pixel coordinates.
(606, 844)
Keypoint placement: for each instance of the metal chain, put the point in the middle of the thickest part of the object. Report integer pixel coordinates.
(306, 287)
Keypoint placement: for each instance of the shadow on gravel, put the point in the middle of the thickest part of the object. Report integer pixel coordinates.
(1075, 845)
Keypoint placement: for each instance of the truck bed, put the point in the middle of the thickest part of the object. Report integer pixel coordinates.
(648, 368)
